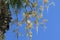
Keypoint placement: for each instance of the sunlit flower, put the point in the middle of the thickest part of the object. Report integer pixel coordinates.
(28, 21)
(36, 21)
(29, 24)
(5, 21)
(34, 13)
(30, 34)
(27, 2)
(40, 15)
(45, 1)
(34, 4)
(41, 8)
(26, 14)
(45, 20)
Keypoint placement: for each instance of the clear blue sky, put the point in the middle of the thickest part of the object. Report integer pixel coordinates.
(53, 26)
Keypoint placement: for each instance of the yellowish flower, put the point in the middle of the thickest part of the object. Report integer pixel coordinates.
(34, 13)
(40, 15)
(45, 1)
(28, 21)
(26, 14)
(45, 20)
(27, 2)
(36, 22)
(41, 8)
(30, 25)
(30, 34)
(34, 4)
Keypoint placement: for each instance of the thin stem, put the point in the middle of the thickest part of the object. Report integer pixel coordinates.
(16, 12)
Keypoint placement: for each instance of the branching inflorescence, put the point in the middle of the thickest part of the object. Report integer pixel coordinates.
(36, 11)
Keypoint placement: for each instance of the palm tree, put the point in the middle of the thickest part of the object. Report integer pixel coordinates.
(5, 16)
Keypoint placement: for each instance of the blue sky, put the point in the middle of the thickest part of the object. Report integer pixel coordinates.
(53, 26)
